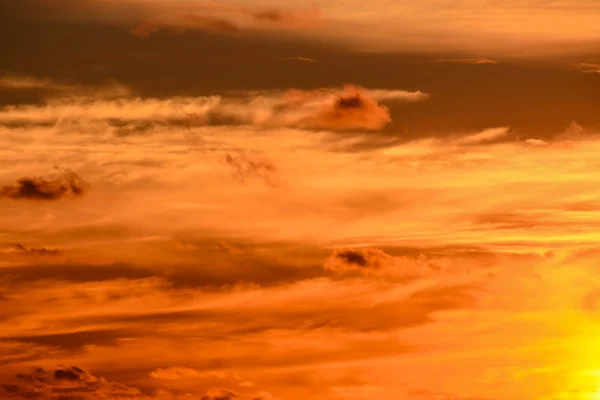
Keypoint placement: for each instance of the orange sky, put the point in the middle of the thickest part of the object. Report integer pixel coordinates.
(235, 200)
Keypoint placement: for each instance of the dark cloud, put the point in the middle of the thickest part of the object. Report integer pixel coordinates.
(246, 166)
(66, 184)
(360, 259)
(352, 257)
(66, 383)
(34, 251)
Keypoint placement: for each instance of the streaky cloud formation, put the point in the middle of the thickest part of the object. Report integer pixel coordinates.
(57, 89)
(588, 68)
(298, 59)
(477, 61)
(350, 108)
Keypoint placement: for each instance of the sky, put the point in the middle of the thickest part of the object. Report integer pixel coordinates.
(291, 200)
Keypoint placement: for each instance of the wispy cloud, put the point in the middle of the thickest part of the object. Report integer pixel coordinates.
(349, 108)
(57, 89)
(298, 59)
(588, 68)
(476, 61)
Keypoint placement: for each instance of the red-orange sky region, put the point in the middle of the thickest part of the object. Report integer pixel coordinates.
(328, 200)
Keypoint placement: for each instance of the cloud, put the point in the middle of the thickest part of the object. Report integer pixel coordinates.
(18, 248)
(48, 188)
(57, 89)
(372, 261)
(66, 383)
(176, 373)
(247, 166)
(349, 108)
(298, 59)
(588, 68)
(362, 259)
(220, 394)
(188, 22)
(220, 18)
(487, 135)
(476, 61)
(74, 383)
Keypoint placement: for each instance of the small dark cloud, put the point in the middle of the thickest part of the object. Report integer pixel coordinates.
(364, 260)
(246, 166)
(352, 257)
(185, 23)
(66, 184)
(34, 251)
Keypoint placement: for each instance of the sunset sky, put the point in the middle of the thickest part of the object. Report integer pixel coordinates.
(296, 200)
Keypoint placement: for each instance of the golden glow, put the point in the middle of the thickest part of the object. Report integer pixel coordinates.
(200, 201)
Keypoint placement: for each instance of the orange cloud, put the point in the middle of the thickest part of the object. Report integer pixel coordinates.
(477, 61)
(58, 89)
(350, 108)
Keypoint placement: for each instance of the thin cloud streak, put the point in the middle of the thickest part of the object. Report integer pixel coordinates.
(336, 109)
